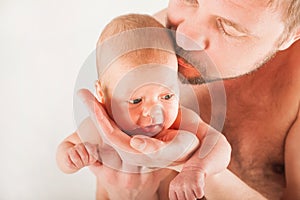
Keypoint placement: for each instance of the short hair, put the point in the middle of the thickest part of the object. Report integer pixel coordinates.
(132, 26)
(290, 14)
(127, 22)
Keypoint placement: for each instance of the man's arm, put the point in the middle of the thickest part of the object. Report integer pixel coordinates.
(292, 161)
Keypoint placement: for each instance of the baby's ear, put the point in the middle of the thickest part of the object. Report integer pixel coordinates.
(99, 91)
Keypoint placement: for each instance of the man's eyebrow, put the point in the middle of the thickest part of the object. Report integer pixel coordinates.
(237, 26)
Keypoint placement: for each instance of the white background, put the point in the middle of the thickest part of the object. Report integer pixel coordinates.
(43, 44)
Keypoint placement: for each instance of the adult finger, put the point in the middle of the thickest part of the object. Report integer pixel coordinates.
(189, 194)
(180, 195)
(198, 192)
(146, 144)
(96, 110)
(106, 127)
(88, 132)
(172, 195)
(163, 154)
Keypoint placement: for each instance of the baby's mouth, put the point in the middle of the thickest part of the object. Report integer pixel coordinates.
(150, 130)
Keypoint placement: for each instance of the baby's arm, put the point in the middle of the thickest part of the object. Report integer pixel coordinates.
(73, 155)
(212, 157)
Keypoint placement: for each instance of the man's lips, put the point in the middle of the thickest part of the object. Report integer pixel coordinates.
(186, 69)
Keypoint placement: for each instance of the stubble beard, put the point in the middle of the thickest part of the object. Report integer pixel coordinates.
(199, 80)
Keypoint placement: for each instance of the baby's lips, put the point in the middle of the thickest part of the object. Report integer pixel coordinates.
(152, 130)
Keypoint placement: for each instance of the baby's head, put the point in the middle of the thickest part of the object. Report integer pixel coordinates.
(139, 88)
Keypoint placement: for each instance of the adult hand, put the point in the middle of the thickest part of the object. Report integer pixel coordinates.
(138, 150)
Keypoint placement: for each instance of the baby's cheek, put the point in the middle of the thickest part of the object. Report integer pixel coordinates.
(125, 118)
(170, 112)
(134, 120)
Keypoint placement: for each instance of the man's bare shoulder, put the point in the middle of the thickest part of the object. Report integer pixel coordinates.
(293, 64)
(286, 69)
(294, 50)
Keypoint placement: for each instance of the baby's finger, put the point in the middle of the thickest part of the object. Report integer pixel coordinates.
(75, 158)
(70, 163)
(83, 154)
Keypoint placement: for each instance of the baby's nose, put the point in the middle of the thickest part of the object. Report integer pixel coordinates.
(157, 114)
(152, 115)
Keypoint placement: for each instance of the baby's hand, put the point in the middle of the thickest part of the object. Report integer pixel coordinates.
(187, 185)
(79, 156)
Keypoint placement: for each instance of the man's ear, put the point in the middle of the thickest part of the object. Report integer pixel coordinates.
(99, 91)
(291, 40)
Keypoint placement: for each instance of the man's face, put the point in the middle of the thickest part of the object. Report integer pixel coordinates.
(238, 36)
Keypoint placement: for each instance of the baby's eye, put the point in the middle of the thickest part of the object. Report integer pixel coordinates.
(135, 101)
(167, 96)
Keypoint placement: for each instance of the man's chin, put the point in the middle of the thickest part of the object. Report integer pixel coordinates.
(196, 80)
(188, 74)
(192, 80)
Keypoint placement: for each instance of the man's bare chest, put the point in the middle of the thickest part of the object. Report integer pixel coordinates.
(260, 110)
(257, 134)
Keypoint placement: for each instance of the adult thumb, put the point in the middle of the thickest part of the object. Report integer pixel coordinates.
(145, 144)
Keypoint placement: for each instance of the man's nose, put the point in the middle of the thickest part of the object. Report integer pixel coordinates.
(190, 38)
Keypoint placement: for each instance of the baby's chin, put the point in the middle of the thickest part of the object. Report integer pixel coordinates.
(150, 131)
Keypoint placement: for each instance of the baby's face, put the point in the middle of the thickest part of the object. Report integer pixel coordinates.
(144, 100)
(152, 108)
